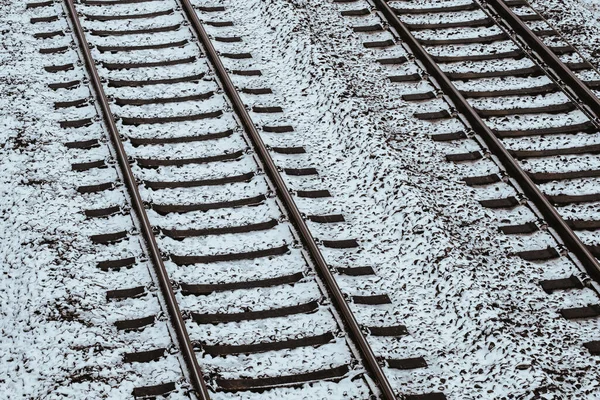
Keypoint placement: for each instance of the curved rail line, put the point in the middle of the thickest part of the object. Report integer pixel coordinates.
(372, 365)
(166, 288)
(537, 197)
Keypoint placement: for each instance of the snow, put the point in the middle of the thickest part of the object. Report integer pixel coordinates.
(58, 337)
(576, 20)
(393, 180)
(473, 310)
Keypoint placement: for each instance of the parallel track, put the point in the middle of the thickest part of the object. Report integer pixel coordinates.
(583, 99)
(547, 55)
(514, 169)
(372, 365)
(501, 81)
(166, 288)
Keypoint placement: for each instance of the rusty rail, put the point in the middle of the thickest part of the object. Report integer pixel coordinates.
(535, 195)
(166, 288)
(372, 365)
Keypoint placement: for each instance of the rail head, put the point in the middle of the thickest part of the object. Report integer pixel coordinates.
(554, 219)
(177, 321)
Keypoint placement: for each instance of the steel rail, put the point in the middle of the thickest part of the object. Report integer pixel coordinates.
(137, 204)
(531, 190)
(547, 55)
(294, 214)
(560, 35)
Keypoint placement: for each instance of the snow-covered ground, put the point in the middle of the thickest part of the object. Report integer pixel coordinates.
(474, 311)
(58, 334)
(578, 21)
(478, 316)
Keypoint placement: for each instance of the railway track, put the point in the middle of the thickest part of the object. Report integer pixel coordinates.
(215, 195)
(523, 94)
(482, 116)
(253, 303)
